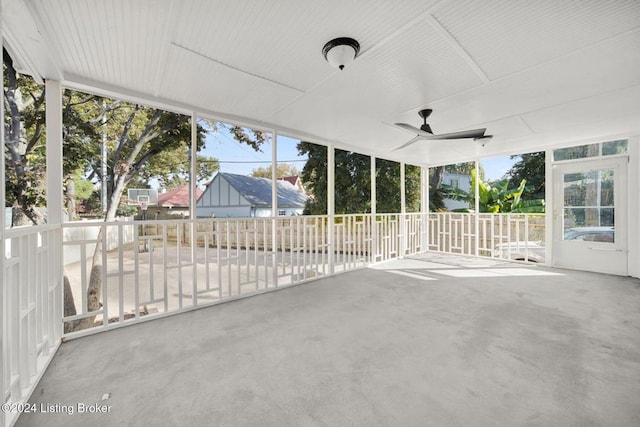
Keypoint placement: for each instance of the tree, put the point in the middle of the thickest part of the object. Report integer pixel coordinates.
(314, 175)
(25, 152)
(353, 182)
(412, 188)
(283, 169)
(530, 167)
(388, 187)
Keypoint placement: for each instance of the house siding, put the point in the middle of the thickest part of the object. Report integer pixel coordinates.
(222, 200)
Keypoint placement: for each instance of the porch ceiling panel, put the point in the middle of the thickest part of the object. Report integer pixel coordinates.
(118, 42)
(282, 40)
(530, 72)
(516, 35)
(412, 69)
(600, 109)
(246, 96)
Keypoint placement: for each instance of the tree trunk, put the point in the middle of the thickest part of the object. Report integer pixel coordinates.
(71, 198)
(69, 308)
(435, 180)
(94, 290)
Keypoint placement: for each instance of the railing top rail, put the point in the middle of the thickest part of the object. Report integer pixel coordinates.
(28, 230)
(530, 214)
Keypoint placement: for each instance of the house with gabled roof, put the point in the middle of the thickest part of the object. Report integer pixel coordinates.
(172, 203)
(232, 195)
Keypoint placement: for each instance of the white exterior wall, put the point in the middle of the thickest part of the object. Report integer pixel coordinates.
(220, 200)
(223, 211)
(464, 184)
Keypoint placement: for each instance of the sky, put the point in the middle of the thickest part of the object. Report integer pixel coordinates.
(235, 157)
(496, 167)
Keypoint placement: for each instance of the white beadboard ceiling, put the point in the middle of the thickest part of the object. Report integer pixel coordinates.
(534, 73)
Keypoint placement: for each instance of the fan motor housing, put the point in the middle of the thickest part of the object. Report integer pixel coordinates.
(425, 113)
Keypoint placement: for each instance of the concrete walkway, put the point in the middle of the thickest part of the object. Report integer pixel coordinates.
(429, 341)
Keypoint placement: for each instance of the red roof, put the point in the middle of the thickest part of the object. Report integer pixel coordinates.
(178, 197)
(290, 179)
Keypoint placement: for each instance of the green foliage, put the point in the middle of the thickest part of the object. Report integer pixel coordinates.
(93, 203)
(412, 188)
(530, 167)
(283, 169)
(314, 175)
(387, 186)
(496, 197)
(126, 210)
(353, 182)
(25, 153)
(84, 188)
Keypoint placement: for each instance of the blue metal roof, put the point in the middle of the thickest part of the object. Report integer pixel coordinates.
(258, 190)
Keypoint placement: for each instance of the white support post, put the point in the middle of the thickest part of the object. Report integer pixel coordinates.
(549, 207)
(193, 193)
(274, 205)
(55, 201)
(424, 206)
(403, 188)
(374, 210)
(403, 211)
(331, 204)
(274, 174)
(477, 209)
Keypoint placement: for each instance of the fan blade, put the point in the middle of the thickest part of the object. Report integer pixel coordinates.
(475, 133)
(406, 144)
(414, 130)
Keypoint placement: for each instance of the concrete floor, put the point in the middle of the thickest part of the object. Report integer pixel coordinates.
(433, 340)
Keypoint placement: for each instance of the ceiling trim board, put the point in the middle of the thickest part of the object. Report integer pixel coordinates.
(240, 70)
(442, 31)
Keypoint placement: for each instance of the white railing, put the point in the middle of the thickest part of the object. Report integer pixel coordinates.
(507, 236)
(88, 230)
(155, 268)
(162, 272)
(32, 310)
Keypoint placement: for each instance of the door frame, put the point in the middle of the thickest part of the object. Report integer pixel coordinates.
(609, 258)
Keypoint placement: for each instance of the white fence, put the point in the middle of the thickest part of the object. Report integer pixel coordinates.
(154, 268)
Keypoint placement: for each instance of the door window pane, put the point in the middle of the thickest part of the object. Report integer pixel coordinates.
(611, 148)
(578, 152)
(589, 212)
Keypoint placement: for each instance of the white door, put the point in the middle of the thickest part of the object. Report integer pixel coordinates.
(590, 215)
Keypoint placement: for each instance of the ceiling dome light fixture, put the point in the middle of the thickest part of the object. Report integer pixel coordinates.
(341, 51)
